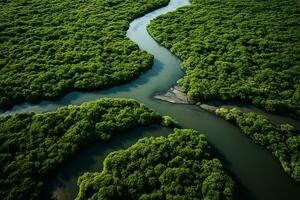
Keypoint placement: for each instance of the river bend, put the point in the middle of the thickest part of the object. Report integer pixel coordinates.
(257, 172)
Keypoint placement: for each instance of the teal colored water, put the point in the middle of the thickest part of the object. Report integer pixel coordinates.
(257, 172)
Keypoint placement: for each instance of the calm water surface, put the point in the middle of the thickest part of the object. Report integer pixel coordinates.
(257, 173)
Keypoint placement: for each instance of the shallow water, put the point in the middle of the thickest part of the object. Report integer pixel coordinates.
(258, 174)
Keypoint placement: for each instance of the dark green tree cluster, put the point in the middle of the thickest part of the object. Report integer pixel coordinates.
(281, 140)
(50, 47)
(232, 50)
(33, 146)
(177, 167)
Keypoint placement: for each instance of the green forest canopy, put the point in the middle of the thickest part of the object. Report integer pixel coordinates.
(50, 47)
(177, 167)
(232, 50)
(33, 146)
(281, 140)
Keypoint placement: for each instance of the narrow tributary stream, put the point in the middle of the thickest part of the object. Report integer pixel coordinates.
(256, 171)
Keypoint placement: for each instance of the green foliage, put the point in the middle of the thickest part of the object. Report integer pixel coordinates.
(234, 50)
(177, 167)
(33, 146)
(169, 121)
(280, 140)
(50, 47)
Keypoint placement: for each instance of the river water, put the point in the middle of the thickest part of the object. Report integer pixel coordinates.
(257, 172)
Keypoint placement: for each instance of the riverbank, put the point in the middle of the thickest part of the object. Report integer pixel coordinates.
(176, 96)
(258, 174)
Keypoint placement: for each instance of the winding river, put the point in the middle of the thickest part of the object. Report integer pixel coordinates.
(257, 173)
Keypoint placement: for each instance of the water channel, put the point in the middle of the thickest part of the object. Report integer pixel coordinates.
(257, 172)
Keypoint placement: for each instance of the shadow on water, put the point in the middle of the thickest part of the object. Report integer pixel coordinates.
(258, 173)
(63, 185)
(241, 190)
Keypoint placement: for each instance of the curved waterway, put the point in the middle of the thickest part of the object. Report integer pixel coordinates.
(257, 173)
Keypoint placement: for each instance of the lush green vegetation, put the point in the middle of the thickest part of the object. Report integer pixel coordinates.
(50, 47)
(33, 146)
(169, 121)
(280, 140)
(232, 50)
(177, 167)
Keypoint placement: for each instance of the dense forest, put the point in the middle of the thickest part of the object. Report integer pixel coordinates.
(232, 50)
(177, 167)
(33, 146)
(50, 47)
(281, 140)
